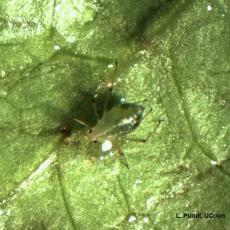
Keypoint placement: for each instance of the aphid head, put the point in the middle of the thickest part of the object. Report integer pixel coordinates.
(97, 138)
(92, 137)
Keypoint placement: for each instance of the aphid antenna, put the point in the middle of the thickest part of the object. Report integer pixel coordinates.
(147, 113)
(122, 157)
(94, 103)
(141, 101)
(110, 88)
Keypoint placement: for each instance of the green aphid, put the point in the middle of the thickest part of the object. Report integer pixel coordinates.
(118, 121)
(115, 124)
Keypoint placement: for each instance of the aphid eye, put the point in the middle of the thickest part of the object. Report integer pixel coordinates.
(90, 131)
(95, 141)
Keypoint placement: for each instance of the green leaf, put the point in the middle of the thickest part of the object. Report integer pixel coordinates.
(54, 55)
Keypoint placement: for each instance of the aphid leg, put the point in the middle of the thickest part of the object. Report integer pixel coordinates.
(63, 196)
(65, 131)
(143, 140)
(68, 141)
(110, 88)
(150, 110)
(122, 157)
(141, 101)
(81, 122)
(94, 102)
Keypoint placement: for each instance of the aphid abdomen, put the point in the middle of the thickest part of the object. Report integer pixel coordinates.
(121, 119)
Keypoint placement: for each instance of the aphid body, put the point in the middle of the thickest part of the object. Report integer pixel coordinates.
(117, 122)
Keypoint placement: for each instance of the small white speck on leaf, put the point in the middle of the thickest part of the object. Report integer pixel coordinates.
(136, 184)
(213, 163)
(110, 66)
(73, 14)
(209, 8)
(111, 154)
(122, 99)
(150, 202)
(3, 93)
(3, 73)
(114, 172)
(146, 220)
(57, 8)
(101, 158)
(71, 39)
(1, 212)
(57, 47)
(132, 219)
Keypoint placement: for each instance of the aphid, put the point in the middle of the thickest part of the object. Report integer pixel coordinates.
(115, 124)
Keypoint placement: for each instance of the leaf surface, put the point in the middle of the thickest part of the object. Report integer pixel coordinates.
(55, 54)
